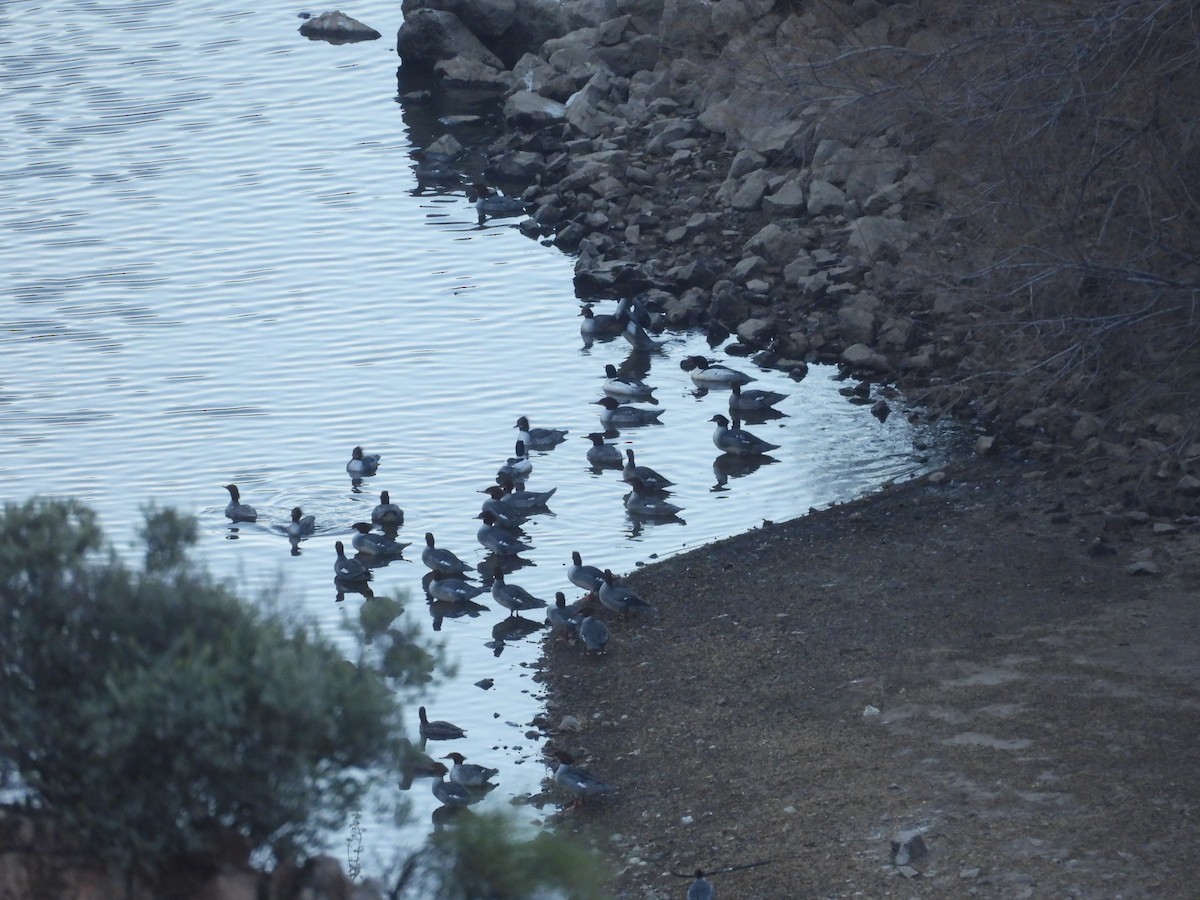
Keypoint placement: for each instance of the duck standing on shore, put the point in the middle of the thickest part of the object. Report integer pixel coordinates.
(619, 598)
(580, 783)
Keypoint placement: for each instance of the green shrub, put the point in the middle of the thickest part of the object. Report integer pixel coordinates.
(154, 713)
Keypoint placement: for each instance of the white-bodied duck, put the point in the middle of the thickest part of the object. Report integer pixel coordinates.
(737, 440)
(650, 479)
(708, 374)
(368, 543)
(625, 388)
(539, 438)
(518, 467)
(235, 509)
(349, 571)
(362, 464)
(596, 324)
(387, 513)
(469, 775)
(513, 597)
(602, 455)
(619, 598)
(439, 560)
(614, 415)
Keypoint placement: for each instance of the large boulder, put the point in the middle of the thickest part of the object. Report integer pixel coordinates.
(487, 18)
(430, 35)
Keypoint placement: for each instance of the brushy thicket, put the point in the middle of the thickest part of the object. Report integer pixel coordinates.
(155, 714)
(1064, 140)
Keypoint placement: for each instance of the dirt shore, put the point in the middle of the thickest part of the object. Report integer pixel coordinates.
(1007, 664)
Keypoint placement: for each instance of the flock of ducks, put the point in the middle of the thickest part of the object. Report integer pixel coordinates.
(626, 402)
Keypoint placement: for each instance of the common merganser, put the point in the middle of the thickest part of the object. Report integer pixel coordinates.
(701, 888)
(624, 388)
(619, 598)
(527, 501)
(387, 513)
(505, 514)
(236, 510)
(452, 590)
(579, 782)
(638, 502)
(440, 560)
(467, 774)
(602, 455)
(376, 544)
(362, 463)
(707, 374)
(614, 415)
(561, 618)
(587, 577)
(489, 204)
(634, 310)
(638, 337)
(518, 467)
(737, 440)
(450, 793)
(301, 525)
(513, 597)
(752, 400)
(539, 438)
(349, 571)
(438, 730)
(650, 479)
(497, 538)
(596, 324)
(594, 634)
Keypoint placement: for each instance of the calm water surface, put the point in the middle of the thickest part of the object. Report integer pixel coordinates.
(218, 268)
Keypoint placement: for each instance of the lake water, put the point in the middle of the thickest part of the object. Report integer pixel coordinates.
(219, 268)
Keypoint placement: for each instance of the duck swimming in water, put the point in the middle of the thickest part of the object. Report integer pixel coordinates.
(737, 440)
(614, 415)
(449, 589)
(439, 560)
(752, 400)
(596, 324)
(362, 464)
(539, 438)
(640, 502)
(450, 793)
(498, 539)
(468, 774)
(625, 388)
(387, 513)
(370, 544)
(707, 374)
(301, 525)
(491, 205)
(438, 730)
(236, 510)
(602, 455)
(526, 501)
(650, 479)
(518, 467)
(349, 571)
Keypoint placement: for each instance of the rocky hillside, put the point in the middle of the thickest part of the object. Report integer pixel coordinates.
(991, 211)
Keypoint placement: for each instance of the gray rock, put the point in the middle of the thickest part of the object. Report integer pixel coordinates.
(429, 35)
(636, 55)
(747, 268)
(860, 356)
(472, 74)
(788, 200)
(528, 108)
(745, 162)
(908, 846)
(669, 131)
(337, 28)
(756, 332)
(873, 170)
(874, 236)
(778, 246)
(824, 197)
(585, 13)
(800, 267)
(857, 320)
(486, 18)
(750, 191)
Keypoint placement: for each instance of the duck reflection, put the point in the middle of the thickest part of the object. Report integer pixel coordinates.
(728, 465)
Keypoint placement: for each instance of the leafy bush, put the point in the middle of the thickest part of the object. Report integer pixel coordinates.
(154, 713)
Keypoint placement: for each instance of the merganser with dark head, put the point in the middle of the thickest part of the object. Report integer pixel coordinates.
(349, 571)
(449, 589)
(639, 338)
(593, 632)
(561, 618)
(505, 514)
(438, 730)
(650, 479)
(539, 438)
(468, 774)
(596, 324)
(513, 597)
(619, 598)
(614, 415)
(518, 467)
(362, 464)
(737, 440)
(387, 513)
(589, 578)
(236, 510)
(602, 455)
(450, 793)
(580, 783)
(708, 374)
(497, 538)
(439, 560)
(380, 545)
(491, 205)
(624, 388)
(301, 525)
(526, 501)
(752, 400)
(640, 502)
